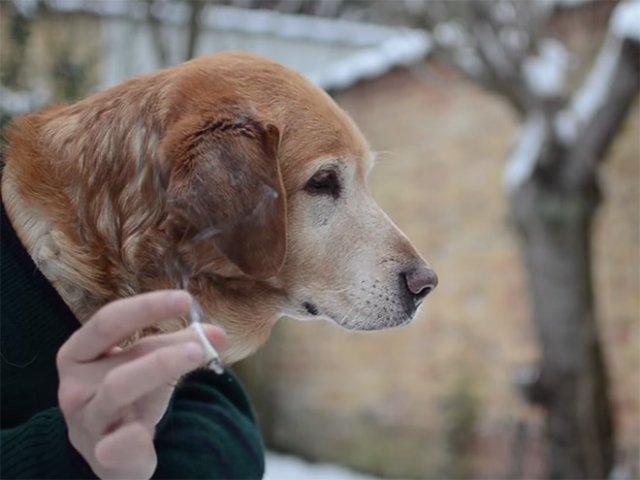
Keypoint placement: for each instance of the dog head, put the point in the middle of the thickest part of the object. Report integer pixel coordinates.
(229, 175)
(279, 179)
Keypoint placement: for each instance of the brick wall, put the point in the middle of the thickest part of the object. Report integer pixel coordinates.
(436, 398)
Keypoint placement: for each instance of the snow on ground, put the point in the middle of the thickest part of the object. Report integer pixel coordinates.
(288, 467)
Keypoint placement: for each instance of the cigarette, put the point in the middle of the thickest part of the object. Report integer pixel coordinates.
(213, 358)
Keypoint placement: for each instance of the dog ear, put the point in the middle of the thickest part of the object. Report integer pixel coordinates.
(225, 184)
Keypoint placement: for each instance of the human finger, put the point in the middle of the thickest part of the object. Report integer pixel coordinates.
(118, 320)
(148, 344)
(127, 383)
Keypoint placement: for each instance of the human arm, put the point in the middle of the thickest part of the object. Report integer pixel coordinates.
(41, 447)
(209, 431)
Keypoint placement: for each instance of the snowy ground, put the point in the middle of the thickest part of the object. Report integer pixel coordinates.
(288, 467)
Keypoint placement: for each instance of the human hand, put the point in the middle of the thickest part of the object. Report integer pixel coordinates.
(112, 397)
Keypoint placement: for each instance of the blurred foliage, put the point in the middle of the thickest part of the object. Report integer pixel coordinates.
(70, 76)
(12, 59)
(44, 58)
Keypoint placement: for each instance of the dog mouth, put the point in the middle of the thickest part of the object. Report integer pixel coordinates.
(311, 308)
(377, 323)
(381, 318)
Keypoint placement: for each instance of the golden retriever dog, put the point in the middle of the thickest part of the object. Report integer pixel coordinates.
(228, 175)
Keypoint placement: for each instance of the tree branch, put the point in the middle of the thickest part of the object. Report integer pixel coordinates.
(601, 105)
(155, 26)
(493, 42)
(194, 27)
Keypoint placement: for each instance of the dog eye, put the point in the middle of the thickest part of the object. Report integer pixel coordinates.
(324, 182)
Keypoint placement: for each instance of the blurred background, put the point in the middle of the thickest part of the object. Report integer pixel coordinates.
(508, 151)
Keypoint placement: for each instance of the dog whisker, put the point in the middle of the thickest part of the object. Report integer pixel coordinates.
(354, 306)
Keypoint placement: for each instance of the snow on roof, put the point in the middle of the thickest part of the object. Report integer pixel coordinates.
(333, 53)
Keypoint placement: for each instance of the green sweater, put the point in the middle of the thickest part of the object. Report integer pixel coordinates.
(209, 430)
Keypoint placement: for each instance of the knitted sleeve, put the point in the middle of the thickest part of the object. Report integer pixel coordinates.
(40, 448)
(209, 432)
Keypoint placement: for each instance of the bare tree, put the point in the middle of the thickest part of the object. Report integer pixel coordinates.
(552, 183)
(193, 27)
(157, 25)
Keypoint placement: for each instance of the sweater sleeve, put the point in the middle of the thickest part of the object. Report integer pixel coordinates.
(210, 431)
(39, 448)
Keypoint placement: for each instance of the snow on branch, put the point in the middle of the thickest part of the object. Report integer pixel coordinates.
(546, 72)
(591, 96)
(586, 126)
(528, 149)
(625, 22)
(500, 45)
(594, 93)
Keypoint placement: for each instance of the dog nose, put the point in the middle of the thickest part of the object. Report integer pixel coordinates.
(420, 280)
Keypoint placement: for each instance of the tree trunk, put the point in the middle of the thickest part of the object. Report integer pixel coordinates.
(571, 383)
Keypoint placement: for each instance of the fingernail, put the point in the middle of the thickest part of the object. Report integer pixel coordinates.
(216, 335)
(194, 352)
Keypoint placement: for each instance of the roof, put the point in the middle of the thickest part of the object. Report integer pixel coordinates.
(333, 53)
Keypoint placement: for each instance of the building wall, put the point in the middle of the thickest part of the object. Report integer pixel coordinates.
(437, 398)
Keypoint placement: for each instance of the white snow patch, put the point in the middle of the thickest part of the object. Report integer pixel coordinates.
(100, 7)
(449, 34)
(21, 102)
(565, 125)
(528, 148)
(546, 73)
(592, 95)
(625, 21)
(294, 26)
(288, 467)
